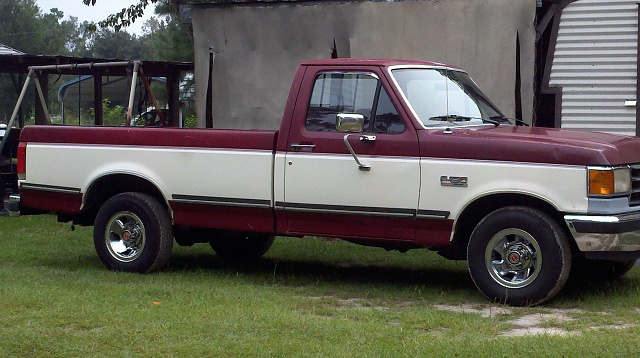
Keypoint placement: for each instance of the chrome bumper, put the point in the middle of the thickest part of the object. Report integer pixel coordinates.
(605, 233)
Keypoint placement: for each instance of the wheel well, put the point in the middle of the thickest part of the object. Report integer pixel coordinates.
(108, 186)
(472, 214)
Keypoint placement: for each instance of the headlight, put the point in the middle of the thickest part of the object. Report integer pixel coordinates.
(609, 181)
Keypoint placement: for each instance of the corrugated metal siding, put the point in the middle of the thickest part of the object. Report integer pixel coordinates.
(6, 50)
(595, 62)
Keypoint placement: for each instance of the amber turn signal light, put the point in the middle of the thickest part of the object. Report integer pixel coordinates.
(601, 182)
(609, 181)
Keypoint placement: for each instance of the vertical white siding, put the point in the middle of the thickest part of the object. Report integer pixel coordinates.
(595, 62)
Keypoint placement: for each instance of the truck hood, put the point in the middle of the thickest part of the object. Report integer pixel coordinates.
(530, 144)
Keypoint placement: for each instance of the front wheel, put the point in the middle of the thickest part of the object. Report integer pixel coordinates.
(519, 256)
(133, 233)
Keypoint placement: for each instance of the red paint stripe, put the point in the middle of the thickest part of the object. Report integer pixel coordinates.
(350, 226)
(223, 217)
(46, 200)
(433, 233)
(158, 137)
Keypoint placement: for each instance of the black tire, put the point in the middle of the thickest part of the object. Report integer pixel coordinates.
(133, 233)
(600, 270)
(238, 246)
(519, 256)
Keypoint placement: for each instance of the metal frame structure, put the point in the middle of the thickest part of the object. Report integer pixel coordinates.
(34, 72)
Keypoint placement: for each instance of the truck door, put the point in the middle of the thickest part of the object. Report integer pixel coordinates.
(326, 190)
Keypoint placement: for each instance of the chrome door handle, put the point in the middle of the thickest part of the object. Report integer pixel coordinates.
(367, 138)
(296, 147)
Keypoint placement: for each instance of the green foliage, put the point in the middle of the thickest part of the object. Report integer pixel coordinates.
(26, 28)
(115, 115)
(169, 39)
(8, 95)
(190, 122)
(124, 17)
(108, 43)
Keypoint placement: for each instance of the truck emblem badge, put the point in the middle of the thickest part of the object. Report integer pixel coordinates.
(461, 182)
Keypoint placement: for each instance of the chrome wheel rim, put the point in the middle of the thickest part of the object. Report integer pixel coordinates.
(513, 258)
(125, 236)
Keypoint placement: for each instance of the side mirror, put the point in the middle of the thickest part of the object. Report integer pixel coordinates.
(349, 122)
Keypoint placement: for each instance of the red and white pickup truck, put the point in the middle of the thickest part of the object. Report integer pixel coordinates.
(396, 154)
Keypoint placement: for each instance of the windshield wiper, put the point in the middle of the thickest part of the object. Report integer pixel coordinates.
(451, 118)
(518, 122)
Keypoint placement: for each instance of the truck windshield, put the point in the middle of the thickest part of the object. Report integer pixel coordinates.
(446, 97)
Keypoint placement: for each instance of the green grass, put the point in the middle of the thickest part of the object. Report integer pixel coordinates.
(307, 297)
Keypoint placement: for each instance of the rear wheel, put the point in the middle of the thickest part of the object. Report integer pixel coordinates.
(133, 232)
(519, 256)
(239, 246)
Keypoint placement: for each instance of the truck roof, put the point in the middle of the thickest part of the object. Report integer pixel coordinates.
(372, 62)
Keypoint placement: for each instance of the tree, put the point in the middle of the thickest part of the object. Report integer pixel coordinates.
(108, 43)
(123, 18)
(26, 28)
(128, 15)
(168, 35)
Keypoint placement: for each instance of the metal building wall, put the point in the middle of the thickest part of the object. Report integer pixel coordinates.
(256, 47)
(595, 63)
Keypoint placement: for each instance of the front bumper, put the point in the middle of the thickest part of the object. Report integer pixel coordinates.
(606, 233)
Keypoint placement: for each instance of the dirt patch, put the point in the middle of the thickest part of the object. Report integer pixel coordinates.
(538, 324)
(350, 303)
(527, 325)
(531, 324)
(522, 322)
(483, 310)
(359, 304)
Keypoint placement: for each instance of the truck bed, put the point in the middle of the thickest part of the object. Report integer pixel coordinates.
(207, 175)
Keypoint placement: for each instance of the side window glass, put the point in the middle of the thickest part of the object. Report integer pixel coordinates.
(335, 93)
(387, 118)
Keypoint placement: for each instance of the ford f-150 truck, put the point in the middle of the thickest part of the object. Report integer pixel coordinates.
(388, 153)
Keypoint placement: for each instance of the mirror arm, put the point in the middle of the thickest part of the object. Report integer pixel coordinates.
(361, 166)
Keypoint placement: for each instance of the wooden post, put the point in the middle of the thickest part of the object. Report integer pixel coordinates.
(147, 85)
(42, 98)
(173, 90)
(97, 99)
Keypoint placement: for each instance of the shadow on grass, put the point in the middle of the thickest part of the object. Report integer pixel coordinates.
(580, 288)
(360, 276)
(297, 273)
